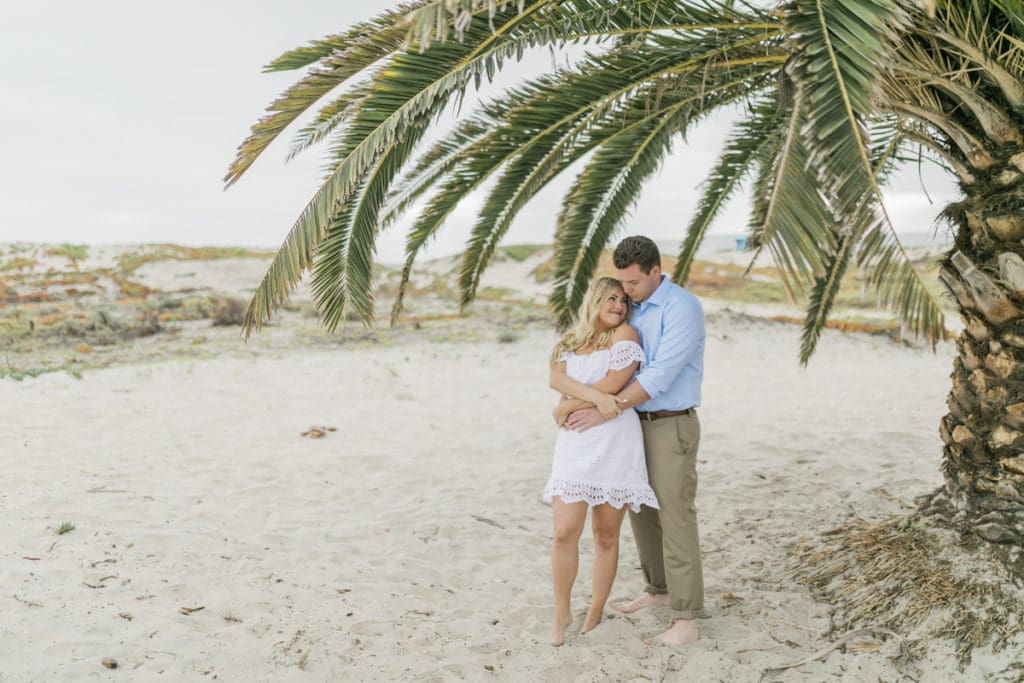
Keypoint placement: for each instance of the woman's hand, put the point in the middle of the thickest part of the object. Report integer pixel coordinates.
(609, 406)
(561, 412)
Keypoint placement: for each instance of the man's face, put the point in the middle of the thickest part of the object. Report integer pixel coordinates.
(638, 284)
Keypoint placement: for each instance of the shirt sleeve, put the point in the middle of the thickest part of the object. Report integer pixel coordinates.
(682, 328)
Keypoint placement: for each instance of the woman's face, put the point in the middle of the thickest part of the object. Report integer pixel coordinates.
(613, 310)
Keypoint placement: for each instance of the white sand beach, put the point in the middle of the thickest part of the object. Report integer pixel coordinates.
(213, 541)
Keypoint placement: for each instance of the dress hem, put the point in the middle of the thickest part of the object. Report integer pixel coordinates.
(598, 494)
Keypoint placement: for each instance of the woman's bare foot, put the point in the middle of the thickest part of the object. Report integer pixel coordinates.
(682, 632)
(558, 626)
(645, 600)
(591, 622)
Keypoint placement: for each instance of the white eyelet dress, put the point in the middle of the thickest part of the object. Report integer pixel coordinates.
(604, 464)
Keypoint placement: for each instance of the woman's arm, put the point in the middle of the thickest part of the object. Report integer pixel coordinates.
(561, 382)
(601, 393)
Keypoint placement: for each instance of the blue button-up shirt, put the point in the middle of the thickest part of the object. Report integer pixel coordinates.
(671, 327)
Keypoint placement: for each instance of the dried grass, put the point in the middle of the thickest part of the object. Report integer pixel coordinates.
(913, 577)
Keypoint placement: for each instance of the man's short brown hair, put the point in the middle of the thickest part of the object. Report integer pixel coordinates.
(639, 250)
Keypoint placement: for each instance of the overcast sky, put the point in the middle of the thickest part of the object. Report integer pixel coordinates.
(119, 119)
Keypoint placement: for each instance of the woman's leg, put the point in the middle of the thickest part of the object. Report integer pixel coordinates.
(569, 519)
(605, 522)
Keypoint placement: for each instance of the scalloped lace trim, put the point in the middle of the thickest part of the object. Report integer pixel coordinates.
(624, 353)
(597, 494)
(621, 354)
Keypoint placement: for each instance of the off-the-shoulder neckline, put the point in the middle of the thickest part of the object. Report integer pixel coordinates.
(588, 353)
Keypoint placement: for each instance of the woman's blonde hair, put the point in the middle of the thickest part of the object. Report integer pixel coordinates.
(584, 332)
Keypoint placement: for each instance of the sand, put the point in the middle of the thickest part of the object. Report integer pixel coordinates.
(213, 541)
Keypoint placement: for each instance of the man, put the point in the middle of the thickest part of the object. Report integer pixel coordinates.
(665, 393)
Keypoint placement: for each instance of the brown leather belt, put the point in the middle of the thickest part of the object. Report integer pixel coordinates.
(657, 414)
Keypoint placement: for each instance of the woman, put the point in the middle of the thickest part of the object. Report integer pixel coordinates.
(602, 467)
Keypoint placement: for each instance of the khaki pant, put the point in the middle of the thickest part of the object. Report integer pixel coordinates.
(667, 539)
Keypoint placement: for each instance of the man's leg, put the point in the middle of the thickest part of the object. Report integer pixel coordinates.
(646, 526)
(647, 536)
(677, 478)
(671, 446)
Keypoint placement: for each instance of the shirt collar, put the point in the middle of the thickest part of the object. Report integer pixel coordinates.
(657, 297)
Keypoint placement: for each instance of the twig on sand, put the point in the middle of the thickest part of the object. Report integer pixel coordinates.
(104, 489)
(885, 494)
(486, 520)
(30, 603)
(798, 626)
(822, 653)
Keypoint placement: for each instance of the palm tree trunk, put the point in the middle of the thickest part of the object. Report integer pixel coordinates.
(983, 456)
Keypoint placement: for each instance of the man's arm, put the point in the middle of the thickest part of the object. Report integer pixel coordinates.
(583, 419)
(682, 329)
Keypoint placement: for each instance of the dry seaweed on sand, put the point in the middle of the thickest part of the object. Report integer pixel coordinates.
(921, 582)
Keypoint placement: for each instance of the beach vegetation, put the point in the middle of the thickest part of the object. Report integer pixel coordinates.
(18, 264)
(74, 253)
(521, 252)
(129, 261)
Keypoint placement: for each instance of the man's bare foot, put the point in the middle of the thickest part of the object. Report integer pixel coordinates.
(645, 600)
(591, 623)
(682, 632)
(558, 626)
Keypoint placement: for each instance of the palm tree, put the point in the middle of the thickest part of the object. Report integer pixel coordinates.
(835, 95)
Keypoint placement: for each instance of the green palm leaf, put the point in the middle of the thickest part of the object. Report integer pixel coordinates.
(410, 87)
(753, 136)
(596, 206)
(890, 271)
(343, 270)
(341, 57)
(790, 217)
(840, 46)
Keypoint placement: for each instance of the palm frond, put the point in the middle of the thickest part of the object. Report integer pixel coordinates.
(1001, 64)
(340, 58)
(572, 103)
(329, 119)
(751, 137)
(603, 193)
(840, 49)
(869, 237)
(410, 88)
(899, 283)
(550, 148)
(595, 18)
(1013, 10)
(823, 295)
(343, 269)
(595, 207)
(790, 218)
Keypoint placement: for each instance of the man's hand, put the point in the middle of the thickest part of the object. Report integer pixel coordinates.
(583, 419)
